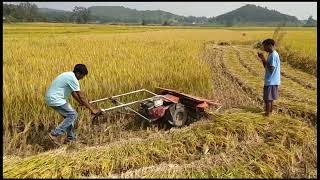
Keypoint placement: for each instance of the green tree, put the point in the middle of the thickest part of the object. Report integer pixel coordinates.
(212, 20)
(80, 14)
(143, 22)
(166, 23)
(311, 22)
(27, 12)
(9, 9)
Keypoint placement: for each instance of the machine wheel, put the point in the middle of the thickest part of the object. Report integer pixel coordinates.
(179, 116)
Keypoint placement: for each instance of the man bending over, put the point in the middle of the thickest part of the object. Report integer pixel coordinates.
(60, 90)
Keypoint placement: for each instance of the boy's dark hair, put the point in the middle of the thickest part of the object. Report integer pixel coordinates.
(80, 68)
(268, 42)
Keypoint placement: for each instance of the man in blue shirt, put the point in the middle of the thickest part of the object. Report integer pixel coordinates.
(272, 74)
(56, 97)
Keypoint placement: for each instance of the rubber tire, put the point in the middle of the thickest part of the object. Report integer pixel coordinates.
(179, 113)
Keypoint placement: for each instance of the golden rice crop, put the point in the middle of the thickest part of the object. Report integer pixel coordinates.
(126, 58)
(238, 145)
(292, 94)
(116, 65)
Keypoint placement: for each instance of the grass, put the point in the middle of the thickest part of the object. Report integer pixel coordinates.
(265, 148)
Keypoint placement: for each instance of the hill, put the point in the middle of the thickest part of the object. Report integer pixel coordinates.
(48, 10)
(127, 15)
(252, 14)
(54, 15)
(245, 15)
(248, 15)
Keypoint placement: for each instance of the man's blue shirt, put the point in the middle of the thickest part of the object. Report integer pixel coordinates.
(272, 77)
(61, 89)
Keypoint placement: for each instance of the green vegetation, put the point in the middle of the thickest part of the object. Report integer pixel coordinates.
(248, 15)
(116, 14)
(252, 14)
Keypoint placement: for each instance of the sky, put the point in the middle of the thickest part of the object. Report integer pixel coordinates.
(302, 10)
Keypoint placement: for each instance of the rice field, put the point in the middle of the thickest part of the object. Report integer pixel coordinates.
(294, 95)
(269, 149)
(189, 59)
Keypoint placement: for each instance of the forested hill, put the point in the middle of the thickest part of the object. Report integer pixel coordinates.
(127, 15)
(251, 14)
(245, 15)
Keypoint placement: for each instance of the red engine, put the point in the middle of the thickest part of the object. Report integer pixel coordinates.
(157, 112)
(153, 109)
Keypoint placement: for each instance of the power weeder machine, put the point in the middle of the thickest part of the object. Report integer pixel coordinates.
(168, 105)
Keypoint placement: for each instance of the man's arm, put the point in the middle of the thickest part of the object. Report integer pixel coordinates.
(76, 97)
(79, 96)
(269, 67)
(263, 59)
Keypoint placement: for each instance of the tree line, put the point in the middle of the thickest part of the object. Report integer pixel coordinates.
(29, 12)
(249, 15)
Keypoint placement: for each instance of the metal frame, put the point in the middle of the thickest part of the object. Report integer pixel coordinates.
(127, 104)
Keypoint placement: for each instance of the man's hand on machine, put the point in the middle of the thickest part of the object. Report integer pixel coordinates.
(96, 111)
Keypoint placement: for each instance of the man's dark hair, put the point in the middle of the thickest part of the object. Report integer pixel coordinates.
(81, 69)
(268, 42)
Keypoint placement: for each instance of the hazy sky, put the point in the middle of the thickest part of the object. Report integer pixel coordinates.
(302, 10)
